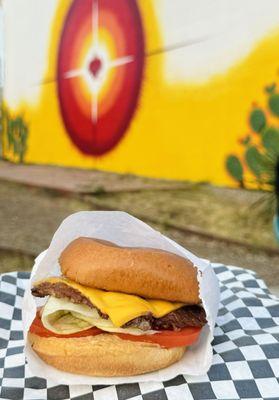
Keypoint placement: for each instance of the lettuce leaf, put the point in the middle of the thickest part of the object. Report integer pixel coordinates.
(63, 317)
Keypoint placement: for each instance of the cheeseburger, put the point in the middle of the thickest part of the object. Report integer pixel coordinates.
(117, 311)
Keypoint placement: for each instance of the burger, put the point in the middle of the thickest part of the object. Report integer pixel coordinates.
(116, 311)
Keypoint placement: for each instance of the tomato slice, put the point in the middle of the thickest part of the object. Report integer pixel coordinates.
(167, 339)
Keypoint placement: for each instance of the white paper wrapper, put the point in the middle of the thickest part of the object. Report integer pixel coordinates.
(124, 230)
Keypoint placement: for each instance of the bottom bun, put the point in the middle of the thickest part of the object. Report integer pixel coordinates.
(103, 355)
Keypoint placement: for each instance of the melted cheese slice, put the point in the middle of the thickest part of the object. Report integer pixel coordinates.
(120, 307)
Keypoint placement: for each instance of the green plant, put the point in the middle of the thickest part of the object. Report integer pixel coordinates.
(235, 168)
(261, 146)
(14, 135)
(273, 103)
(257, 120)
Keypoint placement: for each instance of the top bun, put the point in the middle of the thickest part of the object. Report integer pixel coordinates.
(146, 272)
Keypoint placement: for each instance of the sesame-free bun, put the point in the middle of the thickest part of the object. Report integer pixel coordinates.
(103, 355)
(146, 272)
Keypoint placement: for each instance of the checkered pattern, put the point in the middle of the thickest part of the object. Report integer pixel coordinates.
(245, 362)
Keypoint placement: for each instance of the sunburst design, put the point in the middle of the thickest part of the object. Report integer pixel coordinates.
(101, 70)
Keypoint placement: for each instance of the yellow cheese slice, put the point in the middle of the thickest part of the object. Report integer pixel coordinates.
(120, 307)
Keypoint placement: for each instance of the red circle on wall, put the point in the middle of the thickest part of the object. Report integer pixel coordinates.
(100, 71)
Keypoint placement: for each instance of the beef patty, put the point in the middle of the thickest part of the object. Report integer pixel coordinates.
(189, 315)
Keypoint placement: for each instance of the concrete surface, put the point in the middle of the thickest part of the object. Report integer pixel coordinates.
(80, 180)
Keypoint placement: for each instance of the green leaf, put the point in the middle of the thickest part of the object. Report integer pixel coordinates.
(234, 167)
(254, 160)
(246, 140)
(270, 88)
(271, 140)
(273, 103)
(257, 120)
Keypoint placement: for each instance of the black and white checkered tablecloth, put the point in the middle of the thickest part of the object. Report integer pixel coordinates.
(246, 350)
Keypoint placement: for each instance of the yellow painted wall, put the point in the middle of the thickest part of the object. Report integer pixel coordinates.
(179, 131)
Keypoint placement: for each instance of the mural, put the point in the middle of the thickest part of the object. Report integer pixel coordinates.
(258, 165)
(14, 135)
(159, 89)
(99, 80)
